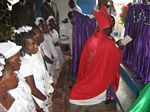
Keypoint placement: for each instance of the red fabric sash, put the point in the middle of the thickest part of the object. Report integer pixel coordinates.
(98, 68)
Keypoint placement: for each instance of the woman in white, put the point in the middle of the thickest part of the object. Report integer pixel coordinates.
(34, 72)
(47, 47)
(22, 93)
(55, 38)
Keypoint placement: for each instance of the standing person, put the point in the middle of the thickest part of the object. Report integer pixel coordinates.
(22, 93)
(55, 37)
(49, 8)
(48, 47)
(99, 64)
(74, 6)
(23, 12)
(8, 81)
(27, 69)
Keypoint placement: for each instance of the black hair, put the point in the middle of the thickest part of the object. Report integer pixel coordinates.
(20, 40)
(42, 22)
(34, 28)
(70, 15)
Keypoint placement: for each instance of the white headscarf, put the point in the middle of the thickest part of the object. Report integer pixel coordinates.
(7, 49)
(23, 29)
(48, 19)
(37, 21)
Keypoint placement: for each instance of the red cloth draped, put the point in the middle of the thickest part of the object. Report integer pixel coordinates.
(98, 68)
(99, 63)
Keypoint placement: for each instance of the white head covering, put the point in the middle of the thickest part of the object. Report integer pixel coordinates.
(23, 29)
(48, 19)
(37, 21)
(7, 49)
(2, 63)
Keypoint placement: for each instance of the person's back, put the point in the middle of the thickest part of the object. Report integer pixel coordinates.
(47, 9)
(99, 64)
(23, 12)
(23, 100)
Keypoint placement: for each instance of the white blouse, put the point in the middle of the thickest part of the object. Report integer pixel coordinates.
(23, 97)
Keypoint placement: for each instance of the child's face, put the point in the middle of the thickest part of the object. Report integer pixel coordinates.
(9, 79)
(14, 61)
(52, 24)
(31, 46)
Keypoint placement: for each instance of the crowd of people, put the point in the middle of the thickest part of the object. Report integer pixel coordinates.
(29, 60)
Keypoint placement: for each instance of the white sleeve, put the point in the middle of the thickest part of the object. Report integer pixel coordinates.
(25, 70)
(51, 47)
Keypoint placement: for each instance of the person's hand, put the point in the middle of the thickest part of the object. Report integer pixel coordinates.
(119, 43)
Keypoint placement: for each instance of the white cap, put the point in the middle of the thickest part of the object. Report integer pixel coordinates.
(9, 49)
(23, 29)
(37, 21)
(48, 19)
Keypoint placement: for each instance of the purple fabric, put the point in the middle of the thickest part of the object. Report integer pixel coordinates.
(83, 27)
(136, 55)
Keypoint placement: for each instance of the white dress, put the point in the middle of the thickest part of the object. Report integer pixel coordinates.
(23, 97)
(55, 37)
(41, 76)
(49, 50)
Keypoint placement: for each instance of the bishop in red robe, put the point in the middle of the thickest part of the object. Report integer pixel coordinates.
(99, 62)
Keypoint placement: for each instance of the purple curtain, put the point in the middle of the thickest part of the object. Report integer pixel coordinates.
(83, 27)
(136, 55)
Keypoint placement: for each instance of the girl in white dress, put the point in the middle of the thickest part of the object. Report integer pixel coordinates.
(21, 93)
(48, 48)
(55, 38)
(33, 72)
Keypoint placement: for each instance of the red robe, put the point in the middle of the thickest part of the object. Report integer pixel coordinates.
(99, 67)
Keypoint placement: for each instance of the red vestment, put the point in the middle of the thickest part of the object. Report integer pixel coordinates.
(99, 63)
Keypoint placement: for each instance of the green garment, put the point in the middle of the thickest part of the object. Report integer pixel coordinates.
(142, 103)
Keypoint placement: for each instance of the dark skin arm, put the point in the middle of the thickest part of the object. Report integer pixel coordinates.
(38, 109)
(35, 91)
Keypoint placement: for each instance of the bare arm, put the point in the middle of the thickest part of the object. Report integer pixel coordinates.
(38, 109)
(35, 91)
